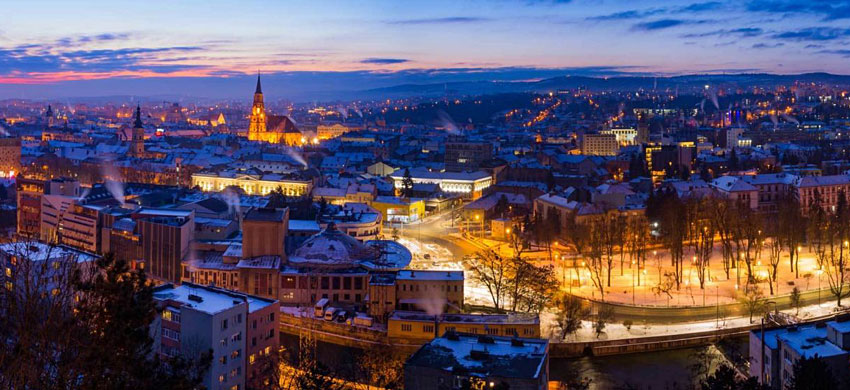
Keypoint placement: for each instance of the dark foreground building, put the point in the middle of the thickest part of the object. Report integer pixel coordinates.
(462, 360)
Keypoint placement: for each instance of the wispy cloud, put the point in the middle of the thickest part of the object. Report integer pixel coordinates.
(384, 61)
(840, 52)
(663, 24)
(767, 45)
(826, 9)
(446, 20)
(631, 14)
(740, 32)
(814, 34)
(45, 58)
(701, 7)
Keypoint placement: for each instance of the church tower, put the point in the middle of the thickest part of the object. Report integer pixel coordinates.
(49, 118)
(137, 144)
(258, 114)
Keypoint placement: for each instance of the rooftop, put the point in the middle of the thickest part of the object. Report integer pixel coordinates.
(430, 275)
(809, 341)
(265, 214)
(483, 356)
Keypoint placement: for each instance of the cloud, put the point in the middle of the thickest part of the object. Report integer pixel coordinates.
(383, 61)
(80, 40)
(767, 45)
(46, 58)
(827, 9)
(814, 34)
(632, 14)
(741, 32)
(841, 52)
(446, 20)
(701, 7)
(641, 14)
(663, 24)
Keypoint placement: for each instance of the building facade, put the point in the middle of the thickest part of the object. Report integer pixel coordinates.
(252, 184)
(239, 329)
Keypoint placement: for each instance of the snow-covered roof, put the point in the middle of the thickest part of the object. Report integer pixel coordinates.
(304, 225)
(430, 275)
(809, 341)
(484, 356)
(200, 298)
(818, 181)
(37, 251)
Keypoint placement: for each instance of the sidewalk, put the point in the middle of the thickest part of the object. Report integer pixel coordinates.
(616, 330)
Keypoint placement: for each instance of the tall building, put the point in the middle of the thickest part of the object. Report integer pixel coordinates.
(166, 236)
(29, 193)
(238, 328)
(10, 156)
(273, 129)
(137, 143)
(258, 114)
(600, 145)
(642, 135)
(463, 155)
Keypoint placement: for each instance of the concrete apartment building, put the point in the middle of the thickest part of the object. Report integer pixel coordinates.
(783, 347)
(600, 145)
(238, 328)
(463, 155)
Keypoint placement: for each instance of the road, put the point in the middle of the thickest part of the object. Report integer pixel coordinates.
(435, 246)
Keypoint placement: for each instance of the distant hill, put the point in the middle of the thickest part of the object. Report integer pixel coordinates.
(683, 83)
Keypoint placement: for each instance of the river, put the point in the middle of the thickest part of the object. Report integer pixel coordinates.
(670, 369)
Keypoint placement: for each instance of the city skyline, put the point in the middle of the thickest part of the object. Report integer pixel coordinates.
(54, 49)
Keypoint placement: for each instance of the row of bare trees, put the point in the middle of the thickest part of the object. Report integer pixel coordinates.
(513, 282)
(697, 225)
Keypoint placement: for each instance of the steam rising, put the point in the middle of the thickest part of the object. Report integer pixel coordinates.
(447, 123)
(291, 152)
(712, 94)
(790, 118)
(232, 199)
(113, 181)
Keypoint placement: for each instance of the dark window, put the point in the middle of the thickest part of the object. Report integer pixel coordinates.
(325, 283)
(358, 283)
(346, 283)
(336, 283)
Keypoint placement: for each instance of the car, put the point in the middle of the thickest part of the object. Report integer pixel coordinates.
(340, 316)
(329, 314)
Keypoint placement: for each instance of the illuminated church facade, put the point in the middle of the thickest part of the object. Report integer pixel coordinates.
(275, 129)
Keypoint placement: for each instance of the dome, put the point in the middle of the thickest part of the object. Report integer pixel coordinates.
(332, 247)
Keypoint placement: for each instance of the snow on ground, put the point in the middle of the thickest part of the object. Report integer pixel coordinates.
(616, 330)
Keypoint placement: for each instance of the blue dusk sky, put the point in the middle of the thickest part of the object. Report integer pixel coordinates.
(203, 48)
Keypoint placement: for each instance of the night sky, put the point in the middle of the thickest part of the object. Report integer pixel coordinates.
(91, 48)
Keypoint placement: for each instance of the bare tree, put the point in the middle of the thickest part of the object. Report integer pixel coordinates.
(701, 235)
(774, 252)
(791, 228)
(836, 261)
(595, 251)
(604, 315)
(493, 272)
(724, 220)
(570, 311)
(748, 232)
(383, 369)
(753, 300)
